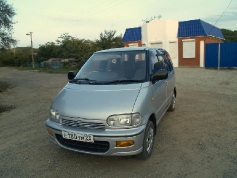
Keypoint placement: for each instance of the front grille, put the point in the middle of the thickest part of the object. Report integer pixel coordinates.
(97, 146)
(82, 123)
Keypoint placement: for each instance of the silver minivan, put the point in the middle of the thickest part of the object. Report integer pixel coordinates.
(114, 103)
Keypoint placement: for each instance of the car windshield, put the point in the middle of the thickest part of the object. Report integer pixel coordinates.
(114, 67)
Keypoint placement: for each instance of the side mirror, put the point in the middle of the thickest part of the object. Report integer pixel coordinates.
(71, 75)
(159, 75)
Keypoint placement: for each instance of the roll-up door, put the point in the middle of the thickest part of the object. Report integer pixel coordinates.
(189, 48)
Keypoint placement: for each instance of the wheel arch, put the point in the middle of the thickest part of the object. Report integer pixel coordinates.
(153, 120)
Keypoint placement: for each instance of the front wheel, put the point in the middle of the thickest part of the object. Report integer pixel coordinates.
(148, 141)
(172, 104)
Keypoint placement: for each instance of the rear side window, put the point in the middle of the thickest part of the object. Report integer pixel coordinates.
(153, 60)
(157, 61)
(168, 61)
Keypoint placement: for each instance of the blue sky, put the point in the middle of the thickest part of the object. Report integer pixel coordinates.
(48, 19)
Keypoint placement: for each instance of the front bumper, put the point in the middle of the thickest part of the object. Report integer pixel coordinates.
(105, 140)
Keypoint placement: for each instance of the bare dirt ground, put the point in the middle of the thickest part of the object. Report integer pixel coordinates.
(198, 139)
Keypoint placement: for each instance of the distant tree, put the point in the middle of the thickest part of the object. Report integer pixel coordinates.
(117, 42)
(15, 56)
(67, 46)
(47, 51)
(229, 35)
(22, 56)
(7, 13)
(108, 40)
(71, 47)
(6, 57)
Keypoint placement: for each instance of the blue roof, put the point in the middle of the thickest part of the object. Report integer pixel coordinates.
(132, 34)
(198, 28)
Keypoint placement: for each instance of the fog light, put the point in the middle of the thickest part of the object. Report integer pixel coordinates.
(124, 143)
(50, 132)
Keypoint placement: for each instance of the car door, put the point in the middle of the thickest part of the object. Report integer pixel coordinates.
(171, 77)
(159, 88)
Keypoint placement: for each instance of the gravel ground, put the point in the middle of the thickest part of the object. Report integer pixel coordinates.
(198, 139)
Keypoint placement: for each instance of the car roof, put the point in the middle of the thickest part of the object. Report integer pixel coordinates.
(128, 49)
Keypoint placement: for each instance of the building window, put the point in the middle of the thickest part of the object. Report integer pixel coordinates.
(189, 48)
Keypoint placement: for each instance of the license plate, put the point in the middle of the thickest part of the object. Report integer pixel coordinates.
(78, 137)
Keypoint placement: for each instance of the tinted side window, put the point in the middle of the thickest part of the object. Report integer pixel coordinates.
(153, 60)
(157, 61)
(168, 61)
(164, 65)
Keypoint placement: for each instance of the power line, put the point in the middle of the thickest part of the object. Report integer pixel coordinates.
(103, 9)
(220, 17)
(95, 7)
(223, 12)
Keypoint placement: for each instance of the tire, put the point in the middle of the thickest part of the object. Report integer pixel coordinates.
(172, 104)
(148, 141)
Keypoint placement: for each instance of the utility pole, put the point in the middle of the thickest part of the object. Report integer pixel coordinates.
(32, 53)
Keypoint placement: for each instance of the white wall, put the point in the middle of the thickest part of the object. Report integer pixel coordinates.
(162, 33)
(202, 53)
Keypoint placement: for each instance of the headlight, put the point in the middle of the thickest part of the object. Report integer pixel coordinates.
(54, 115)
(124, 120)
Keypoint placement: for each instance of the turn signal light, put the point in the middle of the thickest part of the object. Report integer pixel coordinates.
(50, 132)
(124, 143)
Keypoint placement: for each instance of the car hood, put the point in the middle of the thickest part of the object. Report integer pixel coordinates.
(96, 101)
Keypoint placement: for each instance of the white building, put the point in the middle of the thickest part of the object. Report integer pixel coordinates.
(162, 34)
(185, 41)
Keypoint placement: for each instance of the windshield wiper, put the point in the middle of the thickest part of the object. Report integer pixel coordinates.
(80, 80)
(122, 81)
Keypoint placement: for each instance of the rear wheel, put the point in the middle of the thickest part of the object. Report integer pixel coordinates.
(148, 141)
